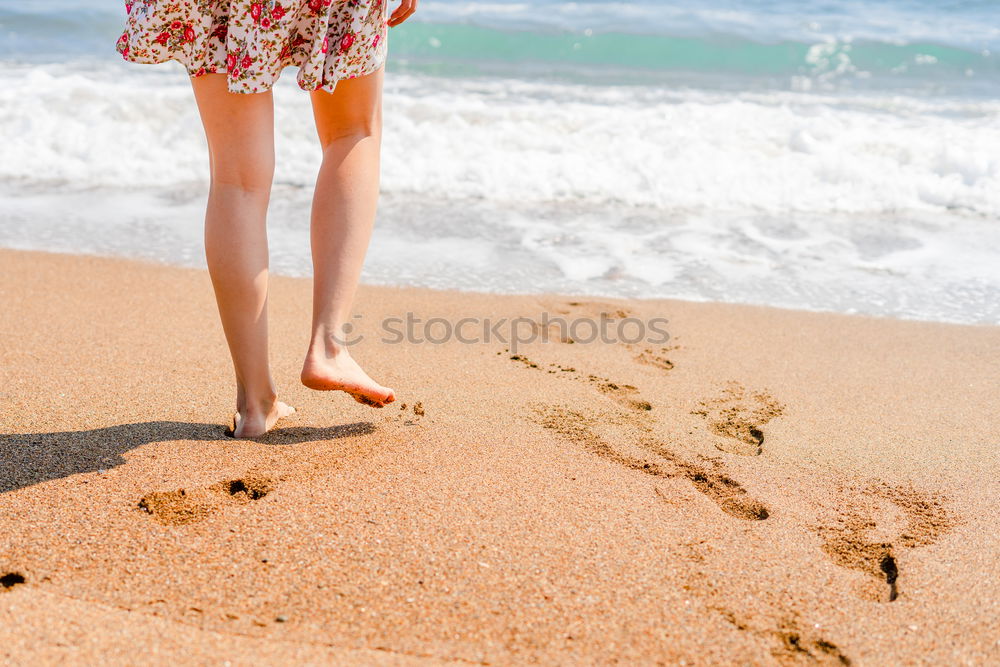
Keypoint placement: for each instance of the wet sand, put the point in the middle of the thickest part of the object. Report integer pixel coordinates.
(766, 487)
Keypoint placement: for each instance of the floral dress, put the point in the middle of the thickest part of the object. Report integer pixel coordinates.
(251, 41)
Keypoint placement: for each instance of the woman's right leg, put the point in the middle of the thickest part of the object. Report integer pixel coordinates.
(240, 133)
(349, 126)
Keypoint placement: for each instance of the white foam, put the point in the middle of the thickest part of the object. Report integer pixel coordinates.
(880, 204)
(514, 141)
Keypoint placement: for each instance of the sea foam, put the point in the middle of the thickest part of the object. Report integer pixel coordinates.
(774, 152)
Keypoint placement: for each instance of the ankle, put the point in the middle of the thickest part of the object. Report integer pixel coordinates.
(328, 346)
(260, 404)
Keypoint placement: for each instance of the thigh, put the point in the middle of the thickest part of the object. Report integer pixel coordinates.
(240, 132)
(354, 108)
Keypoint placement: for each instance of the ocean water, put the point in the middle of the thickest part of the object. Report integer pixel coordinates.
(810, 154)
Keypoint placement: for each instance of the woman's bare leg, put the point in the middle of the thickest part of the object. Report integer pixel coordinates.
(240, 133)
(349, 123)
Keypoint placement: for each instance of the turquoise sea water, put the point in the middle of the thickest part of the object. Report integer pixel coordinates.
(817, 154)
(930, 45)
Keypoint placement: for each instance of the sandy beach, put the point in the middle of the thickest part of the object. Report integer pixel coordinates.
(767, 487)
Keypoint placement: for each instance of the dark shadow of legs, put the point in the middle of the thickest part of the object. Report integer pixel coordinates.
(31, 458)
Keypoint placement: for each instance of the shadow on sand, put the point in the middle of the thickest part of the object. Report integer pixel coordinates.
(31, 458)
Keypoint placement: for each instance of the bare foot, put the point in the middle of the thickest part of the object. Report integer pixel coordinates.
(342, 373)
(258, 423)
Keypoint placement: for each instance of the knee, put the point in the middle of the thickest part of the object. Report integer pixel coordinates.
(352, 127)
(252, 176)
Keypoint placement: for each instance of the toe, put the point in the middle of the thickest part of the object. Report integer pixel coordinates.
(367, 401)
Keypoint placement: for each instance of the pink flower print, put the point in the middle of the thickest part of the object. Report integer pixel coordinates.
(275, 32)
(123, 45)
(346, 41)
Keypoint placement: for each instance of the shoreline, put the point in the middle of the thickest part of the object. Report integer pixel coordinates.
(768, 486)
(474, 293)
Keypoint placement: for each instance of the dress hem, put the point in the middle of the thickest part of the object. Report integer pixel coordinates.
(253, 41)
(212, 69)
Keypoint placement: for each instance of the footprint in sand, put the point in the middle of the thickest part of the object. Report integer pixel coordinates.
(568, 325)
(521, 359)
(728, 494)
(182, 506)
(552, 331)
(738, 415)
(9, 580)
(724, 491)
(794, 644)
(563, 330)
(656, 358)
(625, 394)
(591, 309)
(849, 540)
(792, 641)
